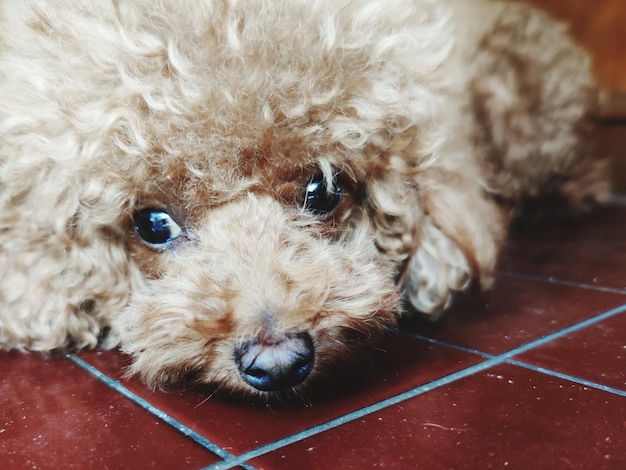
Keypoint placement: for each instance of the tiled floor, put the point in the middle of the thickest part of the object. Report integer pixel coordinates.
(531, 375)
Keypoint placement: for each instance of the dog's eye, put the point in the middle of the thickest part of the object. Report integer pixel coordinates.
(156, 227)
(320, 197)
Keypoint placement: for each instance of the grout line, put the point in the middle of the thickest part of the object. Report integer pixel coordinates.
(445, 343)
(446, 380)
(227, 464)
(539, 369)
(539, 342)
(150, 408)
(560, 282)
(532, 344)
(569, 378)
(565, 331)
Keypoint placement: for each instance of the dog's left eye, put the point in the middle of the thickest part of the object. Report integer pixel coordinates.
(322, 196)
(156, 227)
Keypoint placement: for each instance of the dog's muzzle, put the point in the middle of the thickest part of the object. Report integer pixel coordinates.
(276, 363)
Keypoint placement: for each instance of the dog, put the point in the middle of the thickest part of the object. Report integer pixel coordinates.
(246, 193)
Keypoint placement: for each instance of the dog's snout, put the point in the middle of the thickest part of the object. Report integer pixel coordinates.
(277, 364)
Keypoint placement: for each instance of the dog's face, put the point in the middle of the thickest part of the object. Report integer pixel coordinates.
(263, 180)
(259, 267)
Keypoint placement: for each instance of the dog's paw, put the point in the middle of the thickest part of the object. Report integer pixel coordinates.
(436, 272)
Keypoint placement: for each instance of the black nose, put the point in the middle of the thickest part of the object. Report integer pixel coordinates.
(276, 364)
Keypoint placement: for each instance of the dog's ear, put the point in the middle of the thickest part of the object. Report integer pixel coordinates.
(62, 271)
(456, 241)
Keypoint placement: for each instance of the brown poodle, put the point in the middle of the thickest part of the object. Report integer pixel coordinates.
(244, 191)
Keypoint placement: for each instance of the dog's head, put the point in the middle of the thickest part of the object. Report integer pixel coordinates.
(258, 173)
(270, 186)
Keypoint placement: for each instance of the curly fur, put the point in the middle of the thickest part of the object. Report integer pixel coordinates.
(439, 117)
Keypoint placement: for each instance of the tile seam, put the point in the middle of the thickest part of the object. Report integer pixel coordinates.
(542, 370)
(490, 361)
(117, 386)
(578, 326)
(446, 344)
(354, 415)
(568, 377)
(561, 282)
(525, 365)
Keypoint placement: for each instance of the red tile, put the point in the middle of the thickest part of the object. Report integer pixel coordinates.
(596, 353)
(506, 417)
(592, 251)
(241, 425)
(514, 312)
(54, 415)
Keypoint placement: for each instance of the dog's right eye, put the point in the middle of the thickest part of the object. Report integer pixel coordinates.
(156, 228)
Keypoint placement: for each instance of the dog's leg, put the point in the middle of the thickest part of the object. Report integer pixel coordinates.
(534, 94)
(457, 241)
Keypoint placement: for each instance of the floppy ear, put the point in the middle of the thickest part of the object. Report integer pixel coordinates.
(62, 271)
(457, 240)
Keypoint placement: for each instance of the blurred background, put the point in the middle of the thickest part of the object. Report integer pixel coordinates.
(600, 26)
